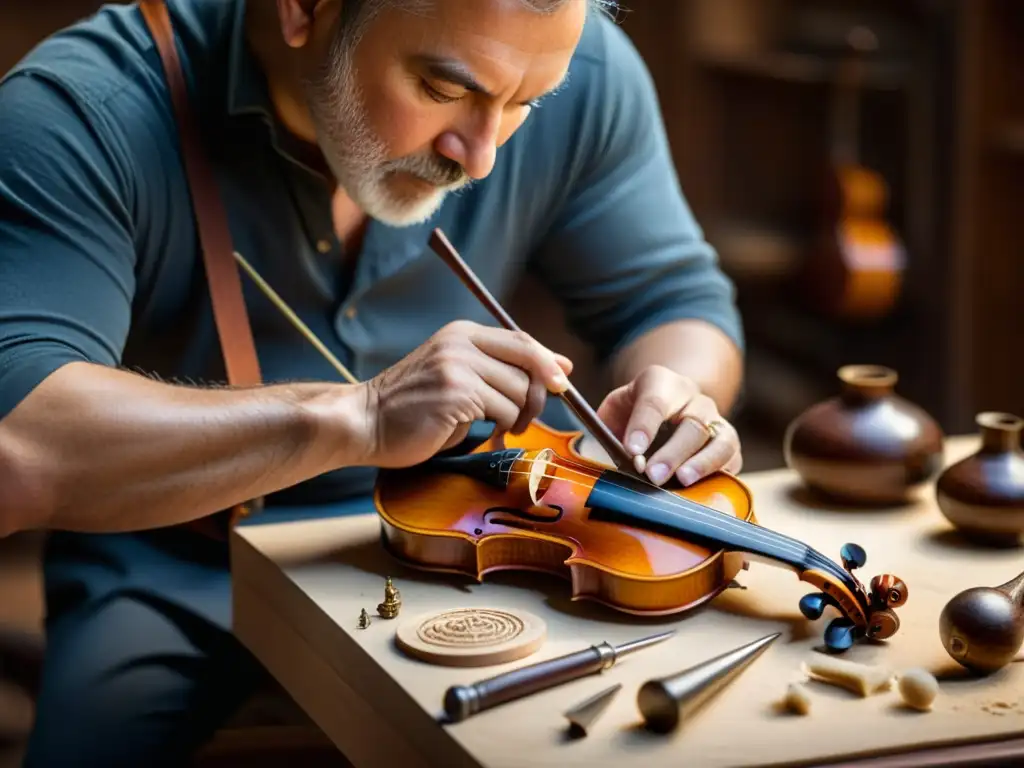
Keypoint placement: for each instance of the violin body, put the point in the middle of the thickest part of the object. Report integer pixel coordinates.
(443, 522)
(534, 502)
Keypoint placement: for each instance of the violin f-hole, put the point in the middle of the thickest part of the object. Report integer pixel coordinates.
(523, 515)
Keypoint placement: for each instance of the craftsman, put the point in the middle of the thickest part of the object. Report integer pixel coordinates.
(342, 133)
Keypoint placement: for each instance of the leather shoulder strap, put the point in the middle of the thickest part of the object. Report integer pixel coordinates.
(229, 312)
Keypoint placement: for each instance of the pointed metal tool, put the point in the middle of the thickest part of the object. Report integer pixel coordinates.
(462, 701)
(666, 701)
(586, 713)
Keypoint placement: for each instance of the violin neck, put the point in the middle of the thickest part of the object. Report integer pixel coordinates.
(621, 499)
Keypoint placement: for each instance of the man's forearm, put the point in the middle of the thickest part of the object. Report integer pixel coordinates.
(98, 449)
(692, 348)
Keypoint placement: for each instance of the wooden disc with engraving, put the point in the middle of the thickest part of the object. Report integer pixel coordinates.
(472, 637)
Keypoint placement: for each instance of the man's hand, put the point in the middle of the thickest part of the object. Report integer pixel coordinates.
(463, 373)
(701, 442)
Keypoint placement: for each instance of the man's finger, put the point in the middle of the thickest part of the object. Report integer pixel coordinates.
(717, 454)
(564, 362)
(734, 465)
(655, 399)
(536, 397)
(511, 381)
(615, 409)
(523, 351)
(689, 436)
(498, 408)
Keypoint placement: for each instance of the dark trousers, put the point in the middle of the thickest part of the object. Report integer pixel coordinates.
(141, 666)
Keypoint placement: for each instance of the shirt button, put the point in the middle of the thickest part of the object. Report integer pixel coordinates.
(350, 312)
(324, 246)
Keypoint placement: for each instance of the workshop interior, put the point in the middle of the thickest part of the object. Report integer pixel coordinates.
(905, 272)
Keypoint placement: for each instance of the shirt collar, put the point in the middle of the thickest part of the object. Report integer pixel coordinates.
(248, 95)
(247, 87)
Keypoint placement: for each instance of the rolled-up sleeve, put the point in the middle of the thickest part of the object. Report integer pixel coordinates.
(625, 253)
(66, 242)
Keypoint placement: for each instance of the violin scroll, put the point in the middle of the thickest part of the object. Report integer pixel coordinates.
(876, 618)
(888, 591)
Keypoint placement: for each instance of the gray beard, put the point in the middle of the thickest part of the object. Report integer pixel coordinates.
(358, 157)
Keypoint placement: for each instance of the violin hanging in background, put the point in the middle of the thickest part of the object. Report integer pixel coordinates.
(534, 502)
(855, 271)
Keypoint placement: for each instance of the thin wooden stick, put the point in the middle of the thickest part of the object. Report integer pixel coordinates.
(622, 459)
(295, 319)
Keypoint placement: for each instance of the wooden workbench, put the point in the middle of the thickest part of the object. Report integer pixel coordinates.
(300, 586)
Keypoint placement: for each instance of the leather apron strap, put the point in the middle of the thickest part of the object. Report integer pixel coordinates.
(232, 320)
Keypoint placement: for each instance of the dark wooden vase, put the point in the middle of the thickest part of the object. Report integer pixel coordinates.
(867, 445)
(983, 495)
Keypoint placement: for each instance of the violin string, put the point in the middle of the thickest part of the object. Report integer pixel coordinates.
(710, 515)
(795, 549)
(700, 510)
(800, 553)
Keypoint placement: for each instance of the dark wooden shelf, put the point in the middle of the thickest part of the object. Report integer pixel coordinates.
(746, 86)
(803, 68)
(1010, 137)
(786, 387)
(755, 253)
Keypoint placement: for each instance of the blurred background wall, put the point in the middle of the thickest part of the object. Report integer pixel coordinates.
(758, 97)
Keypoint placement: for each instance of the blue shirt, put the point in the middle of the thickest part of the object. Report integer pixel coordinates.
(99, 257)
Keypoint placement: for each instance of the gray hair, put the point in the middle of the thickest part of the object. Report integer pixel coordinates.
(356, 15)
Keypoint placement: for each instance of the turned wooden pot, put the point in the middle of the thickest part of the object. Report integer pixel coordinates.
(867, 445)
(983, 495)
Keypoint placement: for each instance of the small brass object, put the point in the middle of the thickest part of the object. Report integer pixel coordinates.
(364, 619)
(392, 601)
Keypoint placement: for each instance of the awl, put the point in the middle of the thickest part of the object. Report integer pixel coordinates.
(462, 701)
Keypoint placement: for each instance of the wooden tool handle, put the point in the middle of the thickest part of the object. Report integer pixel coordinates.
(611, 444)
(462, 701)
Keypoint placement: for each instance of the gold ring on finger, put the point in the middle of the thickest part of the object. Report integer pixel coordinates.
(713, 426)
(710, 428)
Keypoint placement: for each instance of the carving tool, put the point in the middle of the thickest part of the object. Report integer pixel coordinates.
(666, 701)
(463, 701)
(586, 713)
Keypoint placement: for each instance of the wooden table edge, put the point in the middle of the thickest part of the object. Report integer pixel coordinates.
(1004, 751)
(417, 732)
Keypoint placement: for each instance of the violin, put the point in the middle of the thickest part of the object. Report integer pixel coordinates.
(857, 271)
(533, 501)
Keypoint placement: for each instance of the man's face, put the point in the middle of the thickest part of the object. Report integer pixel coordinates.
(420, 104)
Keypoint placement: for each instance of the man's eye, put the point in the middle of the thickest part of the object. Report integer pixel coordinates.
(436, 95)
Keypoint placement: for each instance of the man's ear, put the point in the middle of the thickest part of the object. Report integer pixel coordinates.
(296, 18)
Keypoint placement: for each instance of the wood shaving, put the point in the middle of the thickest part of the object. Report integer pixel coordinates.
(1002, 708)
(862, 679)
(797, 699)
